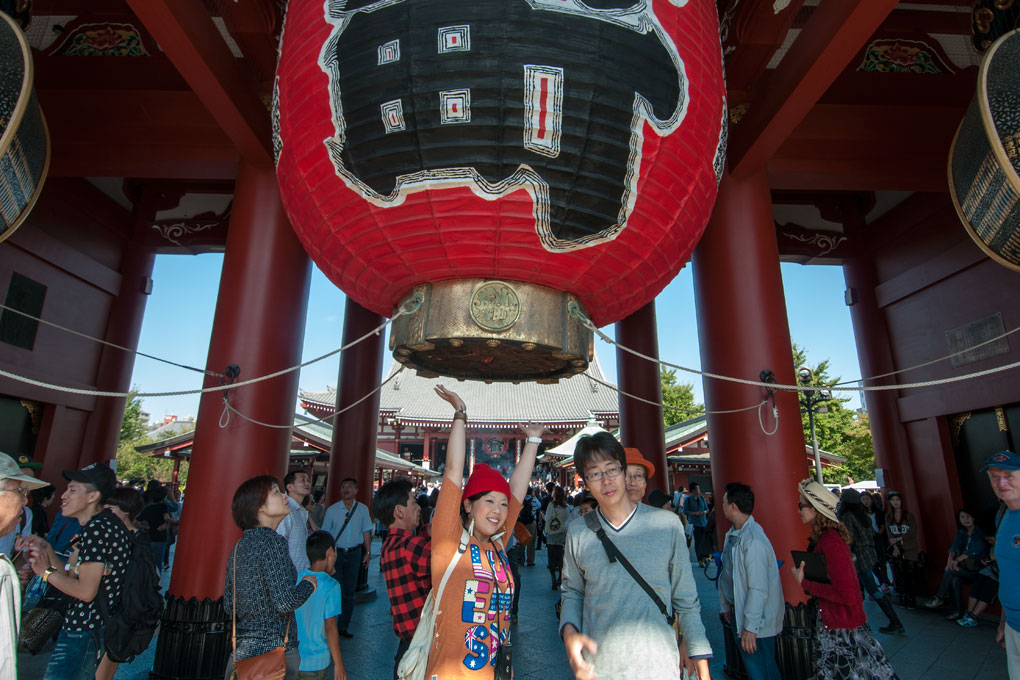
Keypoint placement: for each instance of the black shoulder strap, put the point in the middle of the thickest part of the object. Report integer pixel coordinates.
(614, 555)
(350, 513)
(1000, 514)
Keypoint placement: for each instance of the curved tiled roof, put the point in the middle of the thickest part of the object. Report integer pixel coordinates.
(412, 398)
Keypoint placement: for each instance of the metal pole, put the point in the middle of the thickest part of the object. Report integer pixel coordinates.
(814, 440)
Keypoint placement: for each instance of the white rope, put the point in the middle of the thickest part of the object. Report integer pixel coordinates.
(673, 408)
(761, 423)
(228, 409)
(219, 388)
(106, 342)
(799, 388)
(934, 361)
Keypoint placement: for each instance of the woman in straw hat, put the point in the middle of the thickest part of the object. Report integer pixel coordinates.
(845, 648)
(473, 617)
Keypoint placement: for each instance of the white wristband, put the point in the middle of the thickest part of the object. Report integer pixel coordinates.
(534, 440)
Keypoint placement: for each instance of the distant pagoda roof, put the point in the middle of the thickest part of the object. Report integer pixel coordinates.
(570, 403)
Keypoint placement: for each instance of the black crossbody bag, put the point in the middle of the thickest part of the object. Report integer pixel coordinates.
(614, 555)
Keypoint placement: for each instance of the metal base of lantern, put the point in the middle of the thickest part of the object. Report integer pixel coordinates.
(483, 329)
(194, 640)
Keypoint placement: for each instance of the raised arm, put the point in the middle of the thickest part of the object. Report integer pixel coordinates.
(455, 447)
(521, 475)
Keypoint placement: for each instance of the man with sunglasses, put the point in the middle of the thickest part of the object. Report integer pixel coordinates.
(14, 488)
(611, 627)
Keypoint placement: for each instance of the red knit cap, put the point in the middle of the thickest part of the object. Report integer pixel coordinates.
(485, 479)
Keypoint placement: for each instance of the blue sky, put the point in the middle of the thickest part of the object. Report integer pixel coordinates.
(179, 316)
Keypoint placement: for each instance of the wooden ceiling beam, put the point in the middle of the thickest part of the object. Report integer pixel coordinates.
(753, 33)
(193, 43)
(815, 174)
(156, 161)
(833, 35)
(867, 148)
(135, 134)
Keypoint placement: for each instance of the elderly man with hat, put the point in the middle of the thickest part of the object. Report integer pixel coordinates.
(95, 571)
(639, 471)
(23, 527)
(1004, 474)
(14, 488)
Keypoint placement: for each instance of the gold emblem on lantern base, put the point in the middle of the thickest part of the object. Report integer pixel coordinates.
(495, 306)
(482, 329)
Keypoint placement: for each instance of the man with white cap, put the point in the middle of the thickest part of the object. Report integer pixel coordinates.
(14, 488)
(1004, 474)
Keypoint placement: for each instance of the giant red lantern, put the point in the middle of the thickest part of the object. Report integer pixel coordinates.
(502, 164)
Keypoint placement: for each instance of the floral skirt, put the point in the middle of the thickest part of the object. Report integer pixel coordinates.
(850, 654)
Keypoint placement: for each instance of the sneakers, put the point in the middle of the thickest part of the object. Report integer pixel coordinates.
(967, 621)
(934, 603)
(893, 627)
(953, 616)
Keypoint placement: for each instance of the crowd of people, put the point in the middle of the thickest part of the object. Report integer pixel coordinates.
(452, 558)
(105, 537)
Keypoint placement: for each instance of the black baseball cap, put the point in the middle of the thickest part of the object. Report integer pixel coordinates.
(98, 475)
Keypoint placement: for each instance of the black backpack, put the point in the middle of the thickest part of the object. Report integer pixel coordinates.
(130, 628)
(527, 515)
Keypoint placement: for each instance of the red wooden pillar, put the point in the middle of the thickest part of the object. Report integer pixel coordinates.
(352, 453)
(640, 423)
(892, 451)
(259, 326)
(123, 328)
(742, 329)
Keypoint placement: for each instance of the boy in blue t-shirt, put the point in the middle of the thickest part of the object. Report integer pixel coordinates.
(318, 636)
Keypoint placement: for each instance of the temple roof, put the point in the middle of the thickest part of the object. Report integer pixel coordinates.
(412, 399)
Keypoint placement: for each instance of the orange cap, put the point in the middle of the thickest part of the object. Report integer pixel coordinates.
(634, 457)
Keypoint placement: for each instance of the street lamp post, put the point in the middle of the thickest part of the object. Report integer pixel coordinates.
(809, 401)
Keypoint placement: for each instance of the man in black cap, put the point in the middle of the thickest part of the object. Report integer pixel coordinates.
(103, 550)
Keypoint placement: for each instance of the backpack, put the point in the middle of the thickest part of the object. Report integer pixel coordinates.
(130, 628)
(527, 515)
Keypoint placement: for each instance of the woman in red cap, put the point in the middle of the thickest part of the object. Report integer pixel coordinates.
(473, 616)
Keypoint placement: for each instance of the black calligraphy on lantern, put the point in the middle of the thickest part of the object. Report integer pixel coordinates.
(546, 96)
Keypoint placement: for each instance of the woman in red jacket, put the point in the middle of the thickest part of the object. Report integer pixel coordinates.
(845, 648)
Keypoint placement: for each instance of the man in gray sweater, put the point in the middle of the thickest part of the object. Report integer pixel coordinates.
(611, 628)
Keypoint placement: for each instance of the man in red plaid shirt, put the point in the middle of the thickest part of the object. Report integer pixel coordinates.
(405, 559)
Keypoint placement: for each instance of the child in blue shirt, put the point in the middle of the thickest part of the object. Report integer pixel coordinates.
(318, 637)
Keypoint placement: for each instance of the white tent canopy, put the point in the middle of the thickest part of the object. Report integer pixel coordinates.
(567, 447)
(869, 484)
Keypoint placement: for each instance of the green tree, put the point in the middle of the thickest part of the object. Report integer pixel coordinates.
(133, 425)
(678, 397)
(838, 428)
(132, 464)
(860, 453)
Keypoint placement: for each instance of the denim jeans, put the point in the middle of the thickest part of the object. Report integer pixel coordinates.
(75, 655)
(762, 664)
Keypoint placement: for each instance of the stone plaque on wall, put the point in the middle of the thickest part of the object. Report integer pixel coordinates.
(973, 334)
